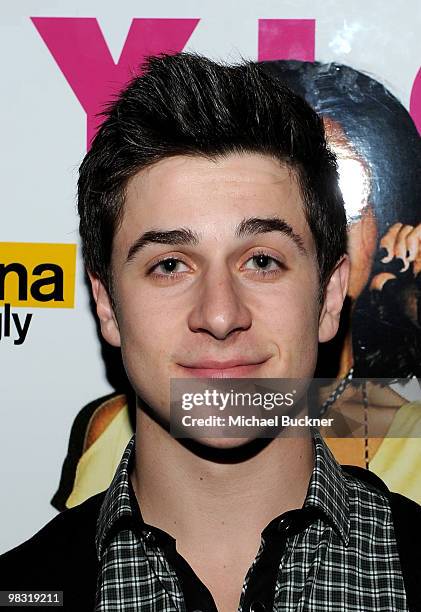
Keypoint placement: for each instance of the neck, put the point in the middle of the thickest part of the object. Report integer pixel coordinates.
(188, 496)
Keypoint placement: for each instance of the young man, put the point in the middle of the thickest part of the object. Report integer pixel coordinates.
(214, 236)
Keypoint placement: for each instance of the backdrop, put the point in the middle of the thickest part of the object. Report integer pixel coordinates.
(61, 62)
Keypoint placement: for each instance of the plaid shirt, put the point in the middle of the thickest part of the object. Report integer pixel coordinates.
(337, 553)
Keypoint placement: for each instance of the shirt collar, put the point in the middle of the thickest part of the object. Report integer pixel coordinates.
(116, 506)
(328, 489)
(327, 492)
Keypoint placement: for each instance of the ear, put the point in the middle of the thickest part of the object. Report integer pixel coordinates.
(333, 300)
(105, 312)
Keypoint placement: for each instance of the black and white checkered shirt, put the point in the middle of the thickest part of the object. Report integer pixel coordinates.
(338, 553)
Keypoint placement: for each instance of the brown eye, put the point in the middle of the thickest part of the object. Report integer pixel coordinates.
(168, 267)
(263, 263)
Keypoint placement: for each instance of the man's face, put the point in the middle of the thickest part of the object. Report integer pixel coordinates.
(215, 274)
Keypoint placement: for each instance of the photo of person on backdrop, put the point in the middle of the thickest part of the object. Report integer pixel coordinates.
(379, 158)
(214, 236)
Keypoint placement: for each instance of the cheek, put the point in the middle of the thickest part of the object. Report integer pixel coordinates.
(291, 321)
(148, 329)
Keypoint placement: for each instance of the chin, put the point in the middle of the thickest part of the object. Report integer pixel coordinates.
(224, 443)
(227, 447)
(226, 450)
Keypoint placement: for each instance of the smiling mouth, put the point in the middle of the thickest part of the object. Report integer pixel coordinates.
(227, 369)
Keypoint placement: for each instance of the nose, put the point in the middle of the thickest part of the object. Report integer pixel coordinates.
(219, 308)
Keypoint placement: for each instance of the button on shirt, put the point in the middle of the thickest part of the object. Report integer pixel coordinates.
(338, 553)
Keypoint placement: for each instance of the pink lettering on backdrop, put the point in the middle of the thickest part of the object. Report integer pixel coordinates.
(415, 101)
(287, 39)
(81, 52)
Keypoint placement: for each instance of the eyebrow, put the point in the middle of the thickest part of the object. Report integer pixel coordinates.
(252, 226)
(179, 236)
(255, 225)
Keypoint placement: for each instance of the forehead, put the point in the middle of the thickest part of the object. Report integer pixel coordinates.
(212, 195)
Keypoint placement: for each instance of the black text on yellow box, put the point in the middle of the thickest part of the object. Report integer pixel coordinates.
(37, 274)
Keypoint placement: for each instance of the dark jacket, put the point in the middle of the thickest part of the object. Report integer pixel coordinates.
(62, 556)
